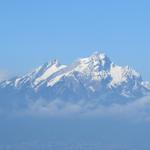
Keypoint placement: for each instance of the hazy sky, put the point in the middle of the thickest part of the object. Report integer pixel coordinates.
(35, 31)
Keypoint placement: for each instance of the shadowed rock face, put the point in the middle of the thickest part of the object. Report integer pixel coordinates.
(93, 78)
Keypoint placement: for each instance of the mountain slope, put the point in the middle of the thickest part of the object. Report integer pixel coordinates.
(94, 78)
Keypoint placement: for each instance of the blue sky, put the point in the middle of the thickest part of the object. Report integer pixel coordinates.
(35, 31)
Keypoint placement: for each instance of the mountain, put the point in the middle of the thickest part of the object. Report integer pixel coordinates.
(94, 78)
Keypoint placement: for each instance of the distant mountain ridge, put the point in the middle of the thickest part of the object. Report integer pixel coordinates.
(94, 78)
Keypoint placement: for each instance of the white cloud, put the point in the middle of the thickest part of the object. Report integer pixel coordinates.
(136, 110)
(4, 75)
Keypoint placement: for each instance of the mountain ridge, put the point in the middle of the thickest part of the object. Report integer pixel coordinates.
(91, 78)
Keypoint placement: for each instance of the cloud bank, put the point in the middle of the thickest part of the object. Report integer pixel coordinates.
(137, 110)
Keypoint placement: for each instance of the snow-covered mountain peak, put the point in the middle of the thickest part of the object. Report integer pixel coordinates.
(96, 57)
(97, 61)
(51, 63)
(93, 77)
(54, 62)
(47, 65)
(37, 76)
(99, 55)
(121, 75)
(47, 70)
(98, 67)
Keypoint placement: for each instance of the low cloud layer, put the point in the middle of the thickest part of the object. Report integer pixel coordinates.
(137, 110)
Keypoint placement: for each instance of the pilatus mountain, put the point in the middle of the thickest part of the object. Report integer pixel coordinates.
(95, 78)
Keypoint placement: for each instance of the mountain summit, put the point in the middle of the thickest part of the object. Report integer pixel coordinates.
(94, 78)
